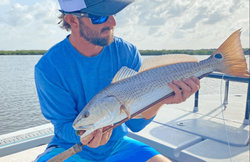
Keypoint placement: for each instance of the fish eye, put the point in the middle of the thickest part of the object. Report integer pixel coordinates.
(86, 114)
(218, 56)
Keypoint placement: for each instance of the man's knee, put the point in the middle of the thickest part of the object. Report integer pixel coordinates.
(159, 158)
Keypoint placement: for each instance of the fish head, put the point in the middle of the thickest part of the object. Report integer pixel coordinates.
(98, 113)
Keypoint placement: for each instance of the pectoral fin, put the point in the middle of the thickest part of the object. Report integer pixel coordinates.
(124, 109)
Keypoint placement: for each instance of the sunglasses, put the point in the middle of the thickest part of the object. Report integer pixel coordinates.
(93, 18)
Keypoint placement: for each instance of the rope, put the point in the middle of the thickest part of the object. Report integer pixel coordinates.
(225, 127)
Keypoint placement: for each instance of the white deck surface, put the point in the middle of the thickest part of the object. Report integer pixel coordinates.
(201, 138)
(24, 156)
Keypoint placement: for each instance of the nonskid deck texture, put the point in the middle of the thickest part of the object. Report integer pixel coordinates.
(182, 135)
(176, 132)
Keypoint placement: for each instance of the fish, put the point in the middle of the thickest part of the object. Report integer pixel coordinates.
(131, 91)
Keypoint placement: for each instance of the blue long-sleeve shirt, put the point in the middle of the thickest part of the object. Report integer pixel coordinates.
(66, 81)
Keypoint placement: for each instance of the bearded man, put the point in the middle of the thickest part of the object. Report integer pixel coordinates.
(81, 65)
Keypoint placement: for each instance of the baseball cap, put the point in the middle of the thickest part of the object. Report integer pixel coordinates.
(95, 7)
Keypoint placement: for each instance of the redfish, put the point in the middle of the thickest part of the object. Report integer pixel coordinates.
(131, 91)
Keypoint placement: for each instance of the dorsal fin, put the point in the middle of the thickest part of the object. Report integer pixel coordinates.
(164, 60)
(123, 73)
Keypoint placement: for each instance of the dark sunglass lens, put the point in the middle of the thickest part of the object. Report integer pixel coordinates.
(98, 19)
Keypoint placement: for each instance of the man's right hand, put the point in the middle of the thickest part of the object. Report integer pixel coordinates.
(97, 138)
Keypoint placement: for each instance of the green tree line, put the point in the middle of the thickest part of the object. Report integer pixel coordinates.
(143, 52)
(23, 52)
(189, 52)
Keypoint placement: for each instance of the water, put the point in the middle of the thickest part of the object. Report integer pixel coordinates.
(19, 105)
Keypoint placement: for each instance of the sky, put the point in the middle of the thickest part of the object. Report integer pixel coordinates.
(148, 24)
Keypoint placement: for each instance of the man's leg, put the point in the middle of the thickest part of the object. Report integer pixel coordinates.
(53, 151)
(159, 158)
(131, 150)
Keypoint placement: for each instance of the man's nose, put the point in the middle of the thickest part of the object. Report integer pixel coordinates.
(111, 20)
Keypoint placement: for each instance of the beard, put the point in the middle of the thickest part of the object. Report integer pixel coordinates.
(94, 37)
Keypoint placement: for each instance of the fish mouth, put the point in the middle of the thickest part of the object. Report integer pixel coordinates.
(86, 127)
(81, 131)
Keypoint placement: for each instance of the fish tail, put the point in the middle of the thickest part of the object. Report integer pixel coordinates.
(231, 56)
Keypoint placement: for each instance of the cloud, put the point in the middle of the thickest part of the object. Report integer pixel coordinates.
(23, 16)
(19, 15)
(238, 5)
(206, 22)
(178, 34)
(149, 24)
(2, 20)
(218, 11)
(4, 2)
(196, 19)
(152, 13)
(178, 7)
(152, 30)
(29, 27)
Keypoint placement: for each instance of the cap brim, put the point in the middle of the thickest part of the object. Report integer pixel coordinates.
(108, 7)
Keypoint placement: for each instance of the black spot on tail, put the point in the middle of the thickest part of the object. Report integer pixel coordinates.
(218, 56)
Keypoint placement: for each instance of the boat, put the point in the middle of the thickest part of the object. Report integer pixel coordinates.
(195, 130)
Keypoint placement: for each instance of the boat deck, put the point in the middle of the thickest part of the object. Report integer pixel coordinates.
(176, 132)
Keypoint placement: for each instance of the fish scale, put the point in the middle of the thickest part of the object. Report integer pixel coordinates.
(136, 91)
(156, 83)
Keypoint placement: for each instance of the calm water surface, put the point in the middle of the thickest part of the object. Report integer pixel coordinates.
(19, 105)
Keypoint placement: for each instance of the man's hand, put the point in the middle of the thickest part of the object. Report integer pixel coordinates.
(183, 89)
(97, 138)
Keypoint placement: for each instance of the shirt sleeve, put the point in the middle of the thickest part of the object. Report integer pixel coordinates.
(135, 125)
(57, 105)
(135, 60)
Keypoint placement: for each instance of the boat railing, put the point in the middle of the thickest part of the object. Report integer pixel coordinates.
(227, 79)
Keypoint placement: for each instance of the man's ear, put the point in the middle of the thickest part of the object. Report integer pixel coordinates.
(72, 21)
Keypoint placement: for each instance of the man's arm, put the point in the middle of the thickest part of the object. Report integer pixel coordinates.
(57, 105)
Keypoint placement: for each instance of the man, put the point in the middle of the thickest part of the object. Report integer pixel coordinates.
(84, 63)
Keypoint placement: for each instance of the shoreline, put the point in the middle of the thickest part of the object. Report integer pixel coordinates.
(142, 52)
